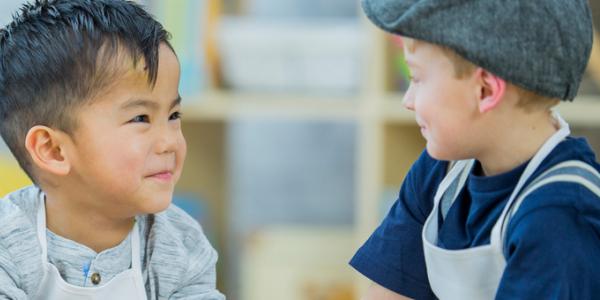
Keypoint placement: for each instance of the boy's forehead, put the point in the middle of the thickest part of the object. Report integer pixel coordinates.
(114, 69)
(136, 71)
(417, 52)
(125, 83)
(130, 79)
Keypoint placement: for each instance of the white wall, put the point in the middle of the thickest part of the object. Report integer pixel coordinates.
(7, 9)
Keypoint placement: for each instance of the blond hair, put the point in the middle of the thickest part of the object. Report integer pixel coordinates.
(528, 100)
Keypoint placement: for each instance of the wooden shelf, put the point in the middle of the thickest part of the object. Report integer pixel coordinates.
(223, 106)
(394, 112)
(583, 111)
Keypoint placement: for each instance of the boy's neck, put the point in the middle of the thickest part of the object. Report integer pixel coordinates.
(85, 225)
(513, 146)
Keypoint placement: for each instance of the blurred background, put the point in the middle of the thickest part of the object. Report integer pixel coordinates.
(298, 141)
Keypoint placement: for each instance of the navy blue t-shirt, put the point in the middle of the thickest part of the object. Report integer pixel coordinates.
(552, 244)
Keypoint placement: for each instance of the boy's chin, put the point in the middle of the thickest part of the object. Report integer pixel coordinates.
(156, 204)
(439, 155)
(435, 153)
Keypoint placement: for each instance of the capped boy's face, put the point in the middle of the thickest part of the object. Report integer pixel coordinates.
(443, 103)
(128, 148)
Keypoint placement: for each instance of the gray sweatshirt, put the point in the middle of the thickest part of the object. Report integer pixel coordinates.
(178, 262)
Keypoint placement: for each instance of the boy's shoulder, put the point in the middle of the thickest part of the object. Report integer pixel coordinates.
(25, 198)
(567, 196)
(19, 244)
(18, 210)
(572, 149)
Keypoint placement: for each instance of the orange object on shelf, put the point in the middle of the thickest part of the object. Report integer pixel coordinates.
(210, 43)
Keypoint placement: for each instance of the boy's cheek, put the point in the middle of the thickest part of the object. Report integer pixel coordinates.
(183, 149)
(180, 151)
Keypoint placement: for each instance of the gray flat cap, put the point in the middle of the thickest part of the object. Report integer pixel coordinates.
(541, 45)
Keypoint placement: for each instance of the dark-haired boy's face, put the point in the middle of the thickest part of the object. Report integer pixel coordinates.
(128, 148)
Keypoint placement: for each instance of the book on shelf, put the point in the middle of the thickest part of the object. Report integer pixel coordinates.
(187, 22)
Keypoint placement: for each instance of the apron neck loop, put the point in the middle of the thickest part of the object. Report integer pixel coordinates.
(551, 143)
(41, 233)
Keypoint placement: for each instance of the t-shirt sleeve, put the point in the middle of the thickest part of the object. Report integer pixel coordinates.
(552, 248)
(20, 265)
(8, 276)
(393, 255)
(198, 281)
(201, 277)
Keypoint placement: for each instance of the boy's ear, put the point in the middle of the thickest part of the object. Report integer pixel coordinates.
(492, 90)
(47, 150)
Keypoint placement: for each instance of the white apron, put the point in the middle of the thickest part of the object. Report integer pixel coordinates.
(127, 285)
(475, 273)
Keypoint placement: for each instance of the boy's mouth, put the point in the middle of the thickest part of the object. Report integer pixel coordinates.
(162, 176)
(422, 128)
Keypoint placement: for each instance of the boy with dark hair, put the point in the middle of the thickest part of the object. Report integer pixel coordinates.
(517, 215)
(89, 106)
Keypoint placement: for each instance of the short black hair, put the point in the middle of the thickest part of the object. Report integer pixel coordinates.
(57, 54)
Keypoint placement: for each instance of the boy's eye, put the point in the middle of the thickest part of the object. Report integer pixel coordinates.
(141, 119)
(174, 116)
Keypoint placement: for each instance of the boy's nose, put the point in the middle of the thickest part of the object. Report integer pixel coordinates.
(408, 100)
(167, 142)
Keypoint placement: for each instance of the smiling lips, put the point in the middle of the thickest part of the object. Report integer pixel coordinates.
(421, 126)
(162, 176)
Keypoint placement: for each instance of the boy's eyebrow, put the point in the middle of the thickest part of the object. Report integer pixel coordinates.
(175, 102)
(153, 105)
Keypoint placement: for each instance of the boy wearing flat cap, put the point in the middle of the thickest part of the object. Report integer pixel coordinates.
(503, 203)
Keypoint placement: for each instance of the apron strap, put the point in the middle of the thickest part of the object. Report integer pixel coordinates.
(569, 171)
(41, 233)
(451, 193)
(135, 247)
(41, 226)
(530, 169)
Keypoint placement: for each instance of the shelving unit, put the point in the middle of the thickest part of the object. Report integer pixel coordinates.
(224, 106)
(220, 105)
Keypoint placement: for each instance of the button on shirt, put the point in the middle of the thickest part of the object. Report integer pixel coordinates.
(73, 260)
(95, 278)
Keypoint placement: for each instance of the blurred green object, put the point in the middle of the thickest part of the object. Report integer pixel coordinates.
(185, 20)
(401, 73)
